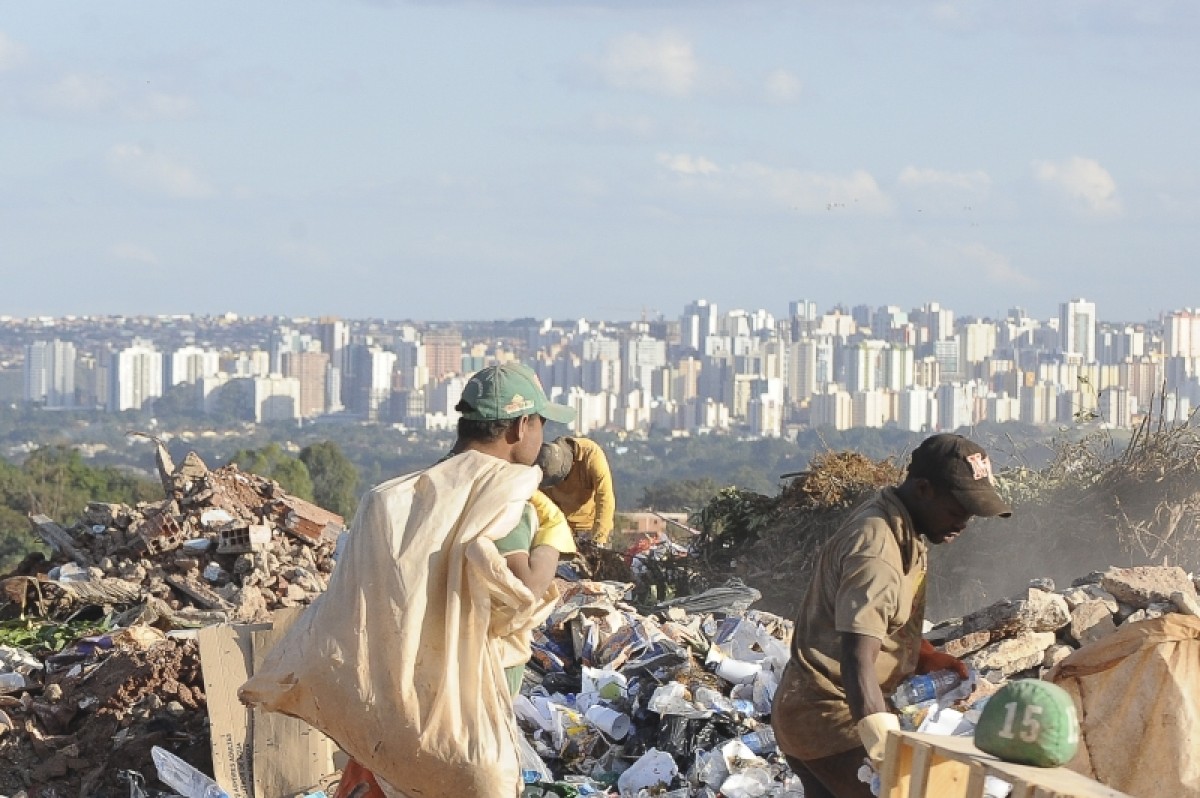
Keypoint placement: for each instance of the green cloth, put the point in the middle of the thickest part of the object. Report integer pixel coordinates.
(514, 674)
(521, 536)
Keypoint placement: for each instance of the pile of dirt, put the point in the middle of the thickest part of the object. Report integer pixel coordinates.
(93, 712)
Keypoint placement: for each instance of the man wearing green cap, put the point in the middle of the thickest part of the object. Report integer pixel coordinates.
(858, 630)
(504, 411)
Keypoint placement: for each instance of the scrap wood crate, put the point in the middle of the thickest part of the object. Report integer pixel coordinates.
(934, 766)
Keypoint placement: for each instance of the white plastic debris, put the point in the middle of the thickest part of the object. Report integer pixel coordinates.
(654, 769)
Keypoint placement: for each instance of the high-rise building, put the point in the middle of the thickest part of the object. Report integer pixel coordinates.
(443, 352)
(864, 365)
(802, 370)
(188, 364)
(1077, 329)
(371, 383)
(311, 370)
(643, 356)
(1181, 333)
(135, 376)
(276, 398)
(49, 373)
(334, 335)
(699, 321)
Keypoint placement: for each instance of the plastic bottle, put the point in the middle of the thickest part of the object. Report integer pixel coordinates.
(917, 689)
(11, 682)
(761, 741)
(182, 777)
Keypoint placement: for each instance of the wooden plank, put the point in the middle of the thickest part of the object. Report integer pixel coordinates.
(922, 759)
(947, 777)
(1021, 790)
(891, 766)
(1057, 782)
(975, 783)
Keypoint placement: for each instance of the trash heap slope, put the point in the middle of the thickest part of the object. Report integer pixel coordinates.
(1091, 507)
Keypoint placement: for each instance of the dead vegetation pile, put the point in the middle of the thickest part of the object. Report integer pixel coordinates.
(1094, 505)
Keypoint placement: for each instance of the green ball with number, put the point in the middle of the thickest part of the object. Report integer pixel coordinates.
(1031, 722)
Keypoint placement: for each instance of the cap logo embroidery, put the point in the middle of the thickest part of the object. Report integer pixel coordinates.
(518, 403)
(981, 466)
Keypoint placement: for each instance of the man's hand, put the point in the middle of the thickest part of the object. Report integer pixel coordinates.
(930, 659)
(873, 731)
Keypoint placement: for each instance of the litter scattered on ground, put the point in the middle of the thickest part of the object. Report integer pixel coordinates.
(622, 696)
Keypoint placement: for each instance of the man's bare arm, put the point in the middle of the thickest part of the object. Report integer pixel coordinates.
(863, 693)
(535, 569)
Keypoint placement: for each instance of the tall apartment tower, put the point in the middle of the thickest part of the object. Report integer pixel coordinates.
(699, 321)
(311, 370)
(190, 364)
(135, 376)
(443, 353)
(1077, 329)
(50, 373)
(335, 337)
(1181, 333)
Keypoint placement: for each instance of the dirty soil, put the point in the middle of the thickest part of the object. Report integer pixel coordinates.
(100, 716)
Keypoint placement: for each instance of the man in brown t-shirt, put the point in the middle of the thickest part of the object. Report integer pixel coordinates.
(858, 631)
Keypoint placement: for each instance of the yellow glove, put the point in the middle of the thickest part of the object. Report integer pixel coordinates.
(873, 731)
(552, 525)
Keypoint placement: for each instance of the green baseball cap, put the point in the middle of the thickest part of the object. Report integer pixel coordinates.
(510, 390)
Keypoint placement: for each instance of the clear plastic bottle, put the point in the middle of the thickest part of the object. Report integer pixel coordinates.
(11, 682)
(927, 687)
(182, 777)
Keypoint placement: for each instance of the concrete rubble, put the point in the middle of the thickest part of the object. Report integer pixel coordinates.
(223, 545)
(671, 699)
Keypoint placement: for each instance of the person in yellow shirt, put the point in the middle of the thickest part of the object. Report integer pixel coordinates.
(578, 480)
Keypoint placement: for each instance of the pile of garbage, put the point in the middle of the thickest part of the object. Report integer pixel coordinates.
(676, 699)
(622, 695)
(107, 667)
(222, 546)
(679, 699)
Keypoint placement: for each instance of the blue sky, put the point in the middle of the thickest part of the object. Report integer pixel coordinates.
(467, 160)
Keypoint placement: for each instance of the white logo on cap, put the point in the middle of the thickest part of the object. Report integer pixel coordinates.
(518, 404)
(981, 466)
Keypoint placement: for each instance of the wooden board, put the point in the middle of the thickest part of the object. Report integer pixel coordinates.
(935, 766)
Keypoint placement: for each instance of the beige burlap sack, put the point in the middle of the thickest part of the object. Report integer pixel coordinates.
(401, 660)
(1138, 696)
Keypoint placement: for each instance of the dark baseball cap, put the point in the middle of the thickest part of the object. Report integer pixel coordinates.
(961, 466)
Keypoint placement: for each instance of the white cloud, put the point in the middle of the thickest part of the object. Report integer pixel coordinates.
(78, 93)
(155, 173)
(783, 87)
(134, 253)
(789, 189)
(817, 191)
(993, 266)
(1084, 181)
(975, 182)
(11, 53)
(687, 164)
(662, 64)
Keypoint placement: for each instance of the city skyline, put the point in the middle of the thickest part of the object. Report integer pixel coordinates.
(459, 160)
(921, 370)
